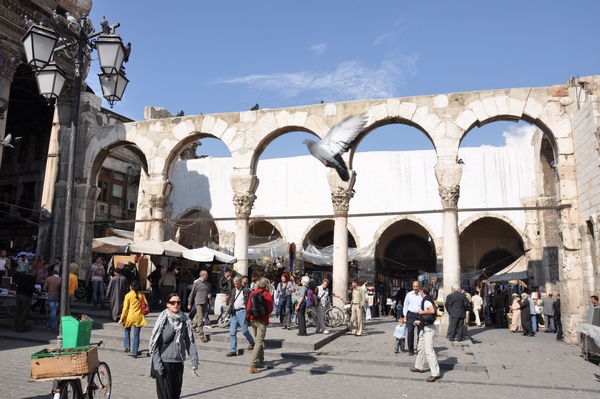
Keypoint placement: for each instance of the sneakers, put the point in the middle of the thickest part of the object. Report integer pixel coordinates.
(416, 370)
(411, 353)
(432, 378)
(203, 339)
(230, 354)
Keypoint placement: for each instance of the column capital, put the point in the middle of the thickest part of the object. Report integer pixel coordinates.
(449, 196)
(243, 203)
(341, 193)
(157, 201)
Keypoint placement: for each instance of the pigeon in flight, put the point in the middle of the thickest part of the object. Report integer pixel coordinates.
(337, 141)
(6, 142)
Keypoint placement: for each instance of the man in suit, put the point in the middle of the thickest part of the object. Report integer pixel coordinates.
(456, 305)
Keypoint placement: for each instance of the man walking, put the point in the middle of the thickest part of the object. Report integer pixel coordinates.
(237, 307)
(425, 321)
(548, 310)
(199, 297)
(358, 305)
(52, 287)
(412, 304)
(456, 305)
(477, 306)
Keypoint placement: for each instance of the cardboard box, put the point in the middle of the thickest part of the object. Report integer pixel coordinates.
(51, 363)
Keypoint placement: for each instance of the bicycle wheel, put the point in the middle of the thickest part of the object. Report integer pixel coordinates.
(100, 382)
(334, 317)
(69, 389)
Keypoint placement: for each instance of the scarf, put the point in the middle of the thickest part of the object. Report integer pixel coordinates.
(177, 320)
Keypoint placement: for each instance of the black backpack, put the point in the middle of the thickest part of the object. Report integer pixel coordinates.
(258, 305)
(429, 319)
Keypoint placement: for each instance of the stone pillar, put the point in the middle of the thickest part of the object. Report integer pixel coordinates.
(244, 189)
(448, 177)
(8, 65)
(341, 193)
(155, 194)
(158, 202)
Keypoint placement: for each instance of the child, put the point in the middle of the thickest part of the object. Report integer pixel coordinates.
(400, 334)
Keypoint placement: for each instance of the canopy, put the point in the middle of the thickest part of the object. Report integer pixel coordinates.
(515, 271)
(172, 248)
(273, 249)
(324, 256)
(207, 255)
(110, 245)
(122, 233)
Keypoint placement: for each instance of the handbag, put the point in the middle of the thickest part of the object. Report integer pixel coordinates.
(145, 308)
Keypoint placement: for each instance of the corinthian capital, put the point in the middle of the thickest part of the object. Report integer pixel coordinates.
(158, 201)
(340, 199)
(243, 203)
(449, 195)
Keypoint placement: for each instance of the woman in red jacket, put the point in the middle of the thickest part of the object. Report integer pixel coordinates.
(259, 323)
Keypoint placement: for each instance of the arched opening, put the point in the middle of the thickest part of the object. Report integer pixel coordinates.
(321, 235)
(405, 250)
(489, 243)
(262, 231)
(197, 229)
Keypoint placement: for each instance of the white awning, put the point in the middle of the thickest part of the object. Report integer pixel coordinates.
(515, 271)
(273, 249)
(110, 245)
(207, 255)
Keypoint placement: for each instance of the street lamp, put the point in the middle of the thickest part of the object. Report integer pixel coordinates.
(76, 40)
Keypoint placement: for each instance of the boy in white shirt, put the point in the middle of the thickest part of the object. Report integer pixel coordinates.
(400, 334)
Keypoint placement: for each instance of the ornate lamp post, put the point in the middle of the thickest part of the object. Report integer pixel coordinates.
(75, 40)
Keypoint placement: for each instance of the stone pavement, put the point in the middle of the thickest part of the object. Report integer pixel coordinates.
(493, 362)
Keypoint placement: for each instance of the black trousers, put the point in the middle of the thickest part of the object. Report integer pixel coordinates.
(455, 329)
(302, 318)
(410, 331)
(168, 385)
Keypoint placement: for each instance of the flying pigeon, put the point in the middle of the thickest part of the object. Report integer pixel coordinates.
(337, 141)
(104, 25)
(255, 108)
(6, 142)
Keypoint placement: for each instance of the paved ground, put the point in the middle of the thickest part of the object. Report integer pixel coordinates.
(494, 362)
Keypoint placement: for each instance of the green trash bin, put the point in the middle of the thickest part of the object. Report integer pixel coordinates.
(76, 332)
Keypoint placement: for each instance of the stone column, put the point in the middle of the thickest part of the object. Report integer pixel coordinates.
(448, 177)
(341, 193)
(244, 189)
(158, 202)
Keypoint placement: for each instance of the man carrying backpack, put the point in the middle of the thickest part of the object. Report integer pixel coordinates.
(237, 304)
(424, 323)
(258, 309)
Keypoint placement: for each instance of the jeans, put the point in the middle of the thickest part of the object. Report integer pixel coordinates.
(534, 323)
(239, 318)
(53, 306)
(98, 292)
(399, 345)
(285, 315)
(136, 339)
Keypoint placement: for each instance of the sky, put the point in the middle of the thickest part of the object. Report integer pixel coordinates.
(226, 56)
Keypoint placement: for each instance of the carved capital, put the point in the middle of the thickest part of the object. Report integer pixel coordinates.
(449, 195)
(243, 203)
(340, 199)
(158, 201)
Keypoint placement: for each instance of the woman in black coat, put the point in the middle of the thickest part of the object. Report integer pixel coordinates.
(526, 316)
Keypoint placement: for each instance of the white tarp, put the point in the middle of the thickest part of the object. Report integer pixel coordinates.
(207, 255)
(123, 233)
(110, 245)
(173, 249)
(274, 249)
(515, 271)
(149, 247)
(324, 256)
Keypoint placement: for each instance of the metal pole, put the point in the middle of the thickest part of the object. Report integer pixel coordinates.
(64, 288)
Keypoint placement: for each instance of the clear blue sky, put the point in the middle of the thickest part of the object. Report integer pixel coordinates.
(225, 56)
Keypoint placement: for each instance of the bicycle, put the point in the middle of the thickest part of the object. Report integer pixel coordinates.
(98, 384)
(334, 316)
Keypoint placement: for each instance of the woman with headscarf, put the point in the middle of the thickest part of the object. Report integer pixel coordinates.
(132, 316)
(171, 338)
(515, 324)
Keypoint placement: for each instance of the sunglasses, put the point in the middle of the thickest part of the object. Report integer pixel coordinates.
(175, 303)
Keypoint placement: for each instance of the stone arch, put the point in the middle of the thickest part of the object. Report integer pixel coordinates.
(205, 231)
(405, 245)
(503, 235)
(384, 226)
(323, 225)
(103, 153)
(272, 222)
